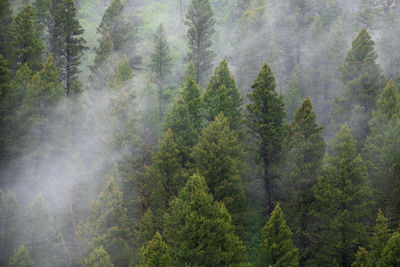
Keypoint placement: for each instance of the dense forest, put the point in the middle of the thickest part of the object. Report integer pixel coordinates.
(199, 133)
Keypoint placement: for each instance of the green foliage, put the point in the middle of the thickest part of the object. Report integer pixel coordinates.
(222, 95)
(98, 258)
(379, 239)
(28, 48)
(199, 230)
(199, 19)
(341, 204)
(391, 252)
(301, 165)
(265, 119)
(122, 74)
(218, 157)
(7, 29)
(45, 242)
(294, 93)
(276, 248)
(21, 258)
(156, 253)
(147, 227)
(8, 226)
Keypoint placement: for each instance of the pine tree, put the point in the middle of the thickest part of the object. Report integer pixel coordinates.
(166, 174)
(122, 74)
(276, 248)
(341, 204)
(102, 68)
(199, 230)
(160, 64)
(108, 226)
(303, 155)
(391, 252)
(364, 80)
(147, 228)
(185, 117)
(68, 44)
(265, 120)
(28, 47)
(218, 157)
(5, 80)
(379, 239)
(8, 226)
(381, 152)
(45, 242)
(156, 253)
(222, 95)
(21, 258)
(7, 29)
(199, 19)
(98, 257)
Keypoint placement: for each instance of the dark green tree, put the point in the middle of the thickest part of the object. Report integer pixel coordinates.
(364, 80)
(160, 64)
(7, 29)
(276, 248)
(200, 20)
(302, 162)
(341, 204)
(21, 258)
(98, 257)
(265, 118)
(391, 252)
(28, 48)
(199, 230)
(218, 157)
(5, 80)
(156, 253)
(222, 95)
(379, 239)
(8, 226)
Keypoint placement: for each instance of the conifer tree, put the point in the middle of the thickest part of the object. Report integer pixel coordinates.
(341, 204)
(5, 80)
(363, 79)
(185, 117)
(98, 257)
(160, 64)
(102, 68)
(265, 120)
(21, 258)
(27, 48)
(45, 242)
(303, 155)
(218, 157)
(276, 248)
(166, 174)
(391, 252)
(199, 230)
(381, 152)
(222, 95)
(8, 226)
(7, 29)
(108, 226)
(379, 239)
(199, 19)
(156, 253)
(147, 227)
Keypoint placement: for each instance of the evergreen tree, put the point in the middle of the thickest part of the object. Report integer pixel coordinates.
(276, 248)
(364, 80)
(199, 230)
(147, 227)
(381, 152)
(21, 258)
(222, 95)
(303, 155)
(156, 253)
(45, 242)
(7, 29)
(166, 174)
(199, 19)
(98, 258)
(27, 48)
(102, 68)
(219, 158)
(5, 79)
(108, 226)
(265, 120)
(341, 204)
(391, 252)
(185, 117)
(8, 226)
(68, 44)
(160, 64)
(379, 239)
